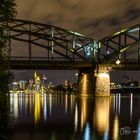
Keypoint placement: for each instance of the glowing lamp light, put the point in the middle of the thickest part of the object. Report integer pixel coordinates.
(118, 62)
(103, 75)
(88, 53)
(14, 83)
(108, 52)
(76, 74)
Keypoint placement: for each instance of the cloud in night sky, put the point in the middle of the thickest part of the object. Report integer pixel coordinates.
(94, 18)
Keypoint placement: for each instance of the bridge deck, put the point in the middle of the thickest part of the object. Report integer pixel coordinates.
(131, 65)
(54, 65)
(127, 66)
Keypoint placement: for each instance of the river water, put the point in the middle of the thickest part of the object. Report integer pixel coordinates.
(73, 117)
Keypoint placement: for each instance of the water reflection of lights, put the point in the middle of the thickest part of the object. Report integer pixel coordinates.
(37, 108)
(42, 101)
(102, 114)
(87, 132)
(66, 103)
(76, 118)
(116, 128)
(106, 135)
(72, 100)
(27, 102)
(113, 100)
(117, 103)
(83, 112)
(138, 130)
(14, 104)
(131, 106)
(36, 104)
(50, 103)
(45, 107)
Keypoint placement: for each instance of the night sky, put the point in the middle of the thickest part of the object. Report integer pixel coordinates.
(94, 18)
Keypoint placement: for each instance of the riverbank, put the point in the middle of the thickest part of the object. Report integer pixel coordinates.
(125, 90)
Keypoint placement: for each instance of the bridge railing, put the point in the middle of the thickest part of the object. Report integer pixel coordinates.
(127, 61)
(131, 61)
(19, 58)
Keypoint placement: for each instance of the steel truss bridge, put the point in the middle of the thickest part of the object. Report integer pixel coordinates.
(40, 46)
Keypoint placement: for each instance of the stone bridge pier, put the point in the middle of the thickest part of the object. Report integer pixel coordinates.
(86, 79)
(94, 81)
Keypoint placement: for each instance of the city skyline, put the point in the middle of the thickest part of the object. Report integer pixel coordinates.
(54, 76)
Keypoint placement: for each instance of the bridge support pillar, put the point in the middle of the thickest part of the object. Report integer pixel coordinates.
(94, 82)
(102, 85)
(86, 80)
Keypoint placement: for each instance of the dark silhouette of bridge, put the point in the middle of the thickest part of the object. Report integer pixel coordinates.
(39, 46)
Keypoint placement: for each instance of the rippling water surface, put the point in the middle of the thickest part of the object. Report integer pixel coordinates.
(71, 117)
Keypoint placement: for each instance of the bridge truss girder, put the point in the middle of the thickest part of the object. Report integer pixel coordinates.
(120, 46)
(68, 45)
